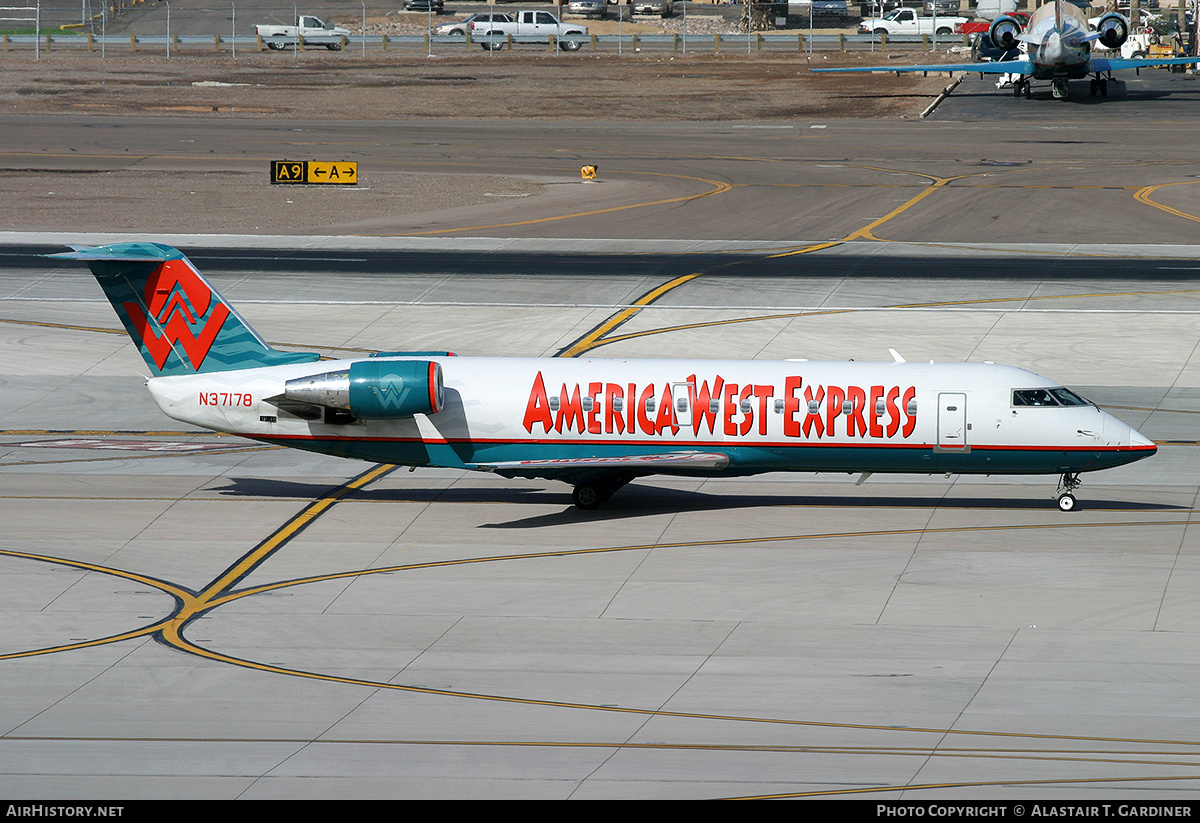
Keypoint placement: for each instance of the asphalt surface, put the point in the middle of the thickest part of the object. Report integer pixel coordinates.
(1154, 94)
(447, 635)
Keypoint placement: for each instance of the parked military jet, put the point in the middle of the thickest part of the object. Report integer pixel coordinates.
(1058, 46)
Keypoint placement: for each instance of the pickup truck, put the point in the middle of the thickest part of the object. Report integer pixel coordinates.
(908, 21)
(312, 30)
(528, 27)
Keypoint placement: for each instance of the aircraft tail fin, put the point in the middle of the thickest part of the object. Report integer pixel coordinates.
(176, 318)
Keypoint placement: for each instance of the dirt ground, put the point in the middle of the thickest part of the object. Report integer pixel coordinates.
(480, 85)
(314, 86)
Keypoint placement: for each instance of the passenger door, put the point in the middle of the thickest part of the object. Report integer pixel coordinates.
(543, 24)
(952, 422)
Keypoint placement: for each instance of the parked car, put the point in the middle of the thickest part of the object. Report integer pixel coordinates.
(461, 27)
(825, 10)
(663, 8)
(588, 8)
(435, 6)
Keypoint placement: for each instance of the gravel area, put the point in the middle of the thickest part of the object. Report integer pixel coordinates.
(521, 85)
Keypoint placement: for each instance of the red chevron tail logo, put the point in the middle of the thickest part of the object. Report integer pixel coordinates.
(179, 300)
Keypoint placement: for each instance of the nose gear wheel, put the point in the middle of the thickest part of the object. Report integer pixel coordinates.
(1066, 491)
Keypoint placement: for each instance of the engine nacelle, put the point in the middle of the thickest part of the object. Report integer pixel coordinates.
(1004, 32)
(374, 389)
(1113, 29)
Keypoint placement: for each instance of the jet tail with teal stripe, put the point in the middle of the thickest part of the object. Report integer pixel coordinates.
(176, 318)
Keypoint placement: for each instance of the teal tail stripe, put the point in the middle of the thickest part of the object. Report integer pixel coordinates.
(179, 322)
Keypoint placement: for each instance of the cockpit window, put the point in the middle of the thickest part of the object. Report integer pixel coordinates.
(1033, 397)
(1068, 398)
(1047, 397)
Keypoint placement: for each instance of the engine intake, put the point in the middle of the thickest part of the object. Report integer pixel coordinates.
(1113, 29)
(1005, 31)
(374, 389)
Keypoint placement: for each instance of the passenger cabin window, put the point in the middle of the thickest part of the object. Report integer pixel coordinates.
(1047, 397)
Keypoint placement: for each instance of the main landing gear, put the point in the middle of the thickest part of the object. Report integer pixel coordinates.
(1066, 491)
(1099, 86)
(588, 496)
(1022, 86)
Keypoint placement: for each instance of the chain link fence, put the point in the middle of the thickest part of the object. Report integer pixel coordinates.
(162, 27)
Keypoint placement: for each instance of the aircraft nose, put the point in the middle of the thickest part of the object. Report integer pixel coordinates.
(1119, 432)
(1138, 440)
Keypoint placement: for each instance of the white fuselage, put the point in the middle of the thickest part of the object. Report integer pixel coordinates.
(767, 415)
(1058, 44)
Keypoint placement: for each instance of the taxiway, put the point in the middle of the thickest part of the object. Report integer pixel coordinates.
(197, 616)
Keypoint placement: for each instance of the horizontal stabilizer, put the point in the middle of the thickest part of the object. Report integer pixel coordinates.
(131, 252)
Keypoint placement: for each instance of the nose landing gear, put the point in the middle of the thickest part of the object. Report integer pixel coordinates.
(1066, 491)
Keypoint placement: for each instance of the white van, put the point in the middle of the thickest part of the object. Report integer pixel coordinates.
(991, 9)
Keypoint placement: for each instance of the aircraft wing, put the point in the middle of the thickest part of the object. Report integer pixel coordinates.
(577, 469)
(1121, 63)
(1002, 67)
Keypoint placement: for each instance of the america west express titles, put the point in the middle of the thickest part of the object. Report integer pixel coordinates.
(721, 406)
